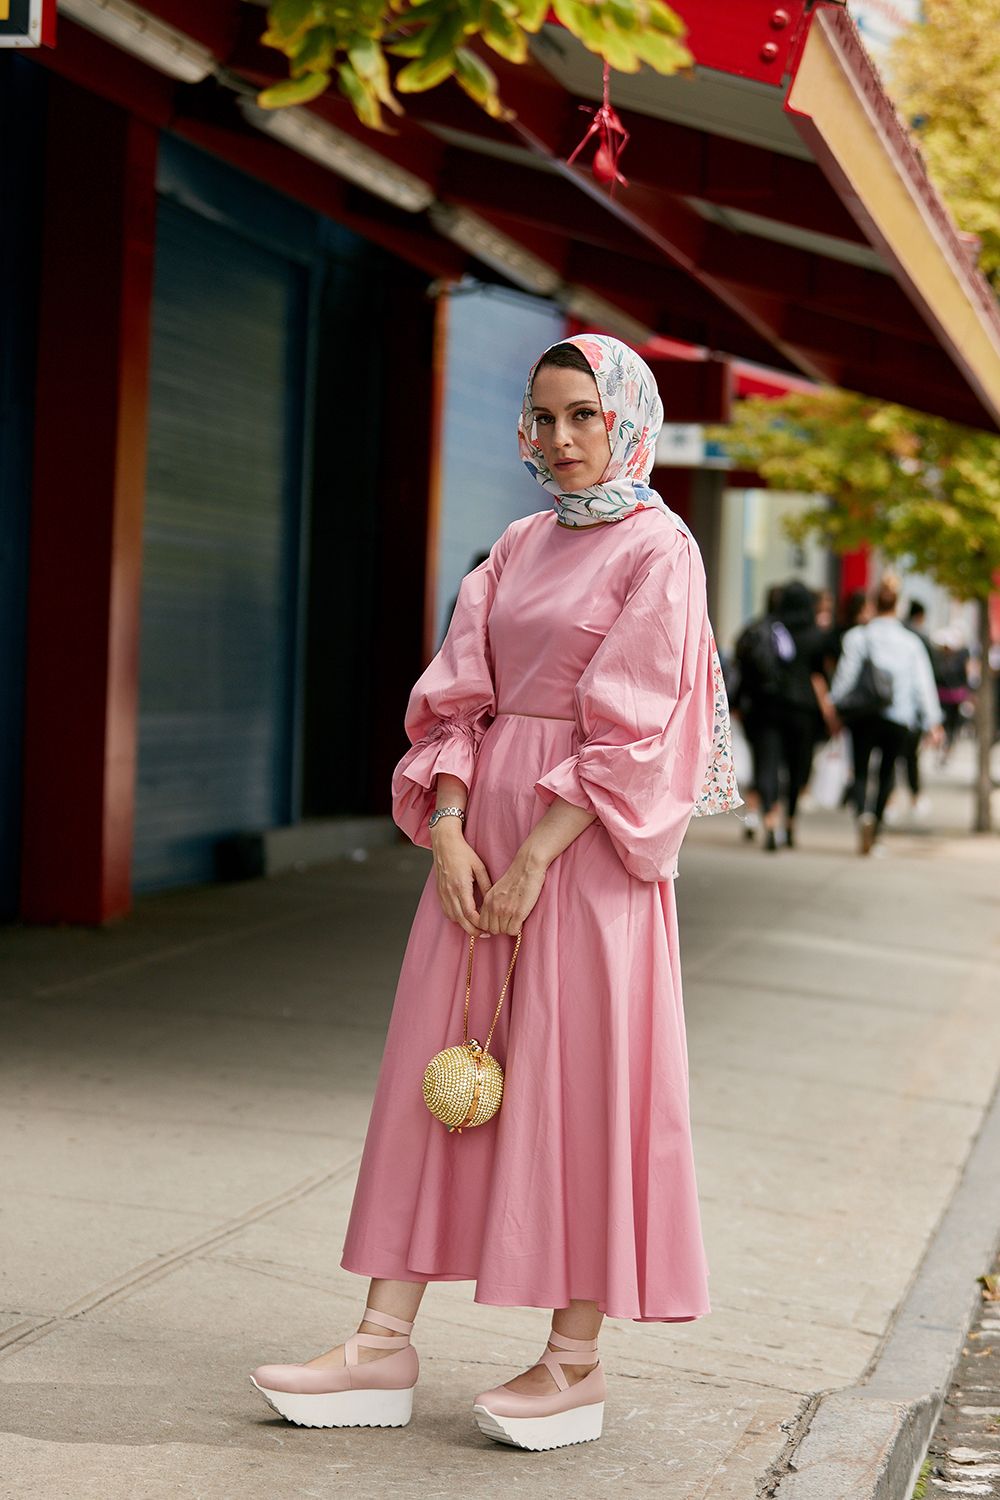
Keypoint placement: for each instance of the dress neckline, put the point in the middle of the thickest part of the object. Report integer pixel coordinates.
(590, 525)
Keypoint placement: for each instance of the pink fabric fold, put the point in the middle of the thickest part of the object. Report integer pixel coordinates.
(645, 708)
(450, 748)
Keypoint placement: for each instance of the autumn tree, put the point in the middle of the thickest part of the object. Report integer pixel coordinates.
(352, 43)
(920, 489)
(944, 76)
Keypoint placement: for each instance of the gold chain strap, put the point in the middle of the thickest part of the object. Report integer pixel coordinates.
(468, 990)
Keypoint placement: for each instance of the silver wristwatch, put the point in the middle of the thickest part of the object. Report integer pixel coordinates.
(445, 812)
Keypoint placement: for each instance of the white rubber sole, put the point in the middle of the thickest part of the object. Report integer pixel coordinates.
(341, 1408)
(580, 1425)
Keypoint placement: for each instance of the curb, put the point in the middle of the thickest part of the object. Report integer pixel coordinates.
(868, 1441)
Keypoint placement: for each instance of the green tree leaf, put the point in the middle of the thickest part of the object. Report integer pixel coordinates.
(501, 33)
(294, 91)
(660, 51)
(362, 98)
(533, 13)
(618, 50)
(410, 46)
(419, 75)
(479, 82)
(437, 60)
(353, 39)
(287, 19)
(315, 52)
(368, 61)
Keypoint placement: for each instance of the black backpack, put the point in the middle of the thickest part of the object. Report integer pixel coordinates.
(761, 668)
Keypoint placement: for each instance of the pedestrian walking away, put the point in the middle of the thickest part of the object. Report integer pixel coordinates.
(884, 689)
(572, 723)
(954, 692)
(920, 803)
(738, 685)
(781, 690)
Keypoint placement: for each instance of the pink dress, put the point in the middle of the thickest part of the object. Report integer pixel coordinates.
(578, 663)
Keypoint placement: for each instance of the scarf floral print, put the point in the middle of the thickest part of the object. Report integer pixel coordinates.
(633, 416)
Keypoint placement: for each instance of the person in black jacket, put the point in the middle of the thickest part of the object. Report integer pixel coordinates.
(781, 662)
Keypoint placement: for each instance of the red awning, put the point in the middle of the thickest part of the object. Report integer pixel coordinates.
(777, 212)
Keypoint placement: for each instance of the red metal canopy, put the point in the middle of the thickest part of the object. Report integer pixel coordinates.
(777, 211)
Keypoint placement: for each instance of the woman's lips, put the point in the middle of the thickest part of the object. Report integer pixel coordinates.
(567, 463)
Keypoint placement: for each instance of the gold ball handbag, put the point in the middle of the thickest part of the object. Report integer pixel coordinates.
(463, 1085)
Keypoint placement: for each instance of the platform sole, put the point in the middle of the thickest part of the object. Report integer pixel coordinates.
(580, 1425)
(341, 1408)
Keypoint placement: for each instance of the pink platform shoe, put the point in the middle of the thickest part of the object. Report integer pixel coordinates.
(569, 1414)
(378, 1393)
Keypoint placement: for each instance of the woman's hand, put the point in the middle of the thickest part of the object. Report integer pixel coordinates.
(458, 868)
(831, 718)
(508, 903)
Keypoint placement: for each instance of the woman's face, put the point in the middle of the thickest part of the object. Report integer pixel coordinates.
(569, 426)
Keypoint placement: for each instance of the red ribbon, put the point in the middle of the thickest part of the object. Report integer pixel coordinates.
(612, 138)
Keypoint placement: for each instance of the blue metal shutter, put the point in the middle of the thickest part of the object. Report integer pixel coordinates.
(220, 547)
(494, 335)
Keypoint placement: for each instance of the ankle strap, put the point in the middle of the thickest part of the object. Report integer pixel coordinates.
(564, 1342)
(386, 1320)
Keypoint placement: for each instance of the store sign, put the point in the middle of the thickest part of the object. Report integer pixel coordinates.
(27, 23)
(683, 445)
(881, 21)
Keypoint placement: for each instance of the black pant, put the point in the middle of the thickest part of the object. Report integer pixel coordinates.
(891, 740)
(781, 738)
(952, 723)
(912, 757)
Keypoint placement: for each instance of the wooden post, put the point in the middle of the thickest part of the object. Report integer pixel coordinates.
(88, 491)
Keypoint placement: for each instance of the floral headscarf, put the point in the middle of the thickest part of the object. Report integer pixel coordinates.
(633, 416)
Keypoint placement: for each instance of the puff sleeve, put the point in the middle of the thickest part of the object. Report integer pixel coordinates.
(451, 703)
(645, 709)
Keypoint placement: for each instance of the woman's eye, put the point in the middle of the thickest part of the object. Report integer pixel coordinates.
(541, 421)
(585, 412)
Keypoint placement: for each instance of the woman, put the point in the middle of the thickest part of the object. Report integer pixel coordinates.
(562, 733)
(887, 726)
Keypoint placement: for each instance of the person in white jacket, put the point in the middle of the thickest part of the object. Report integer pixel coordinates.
(914, 705)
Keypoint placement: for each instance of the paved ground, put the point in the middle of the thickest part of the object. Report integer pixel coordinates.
(183, 1105)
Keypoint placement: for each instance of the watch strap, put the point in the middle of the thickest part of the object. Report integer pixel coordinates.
(442, 812)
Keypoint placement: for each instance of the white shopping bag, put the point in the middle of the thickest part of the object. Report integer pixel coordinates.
(831, 772)
(742, 759)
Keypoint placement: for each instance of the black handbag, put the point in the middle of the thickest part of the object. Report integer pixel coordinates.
(871, 694)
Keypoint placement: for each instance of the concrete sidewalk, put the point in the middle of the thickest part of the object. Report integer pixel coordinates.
(184, 1101)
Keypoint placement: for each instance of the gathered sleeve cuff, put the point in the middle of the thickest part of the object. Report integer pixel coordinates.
(451, 705)
(646, 710)
(449, 747)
